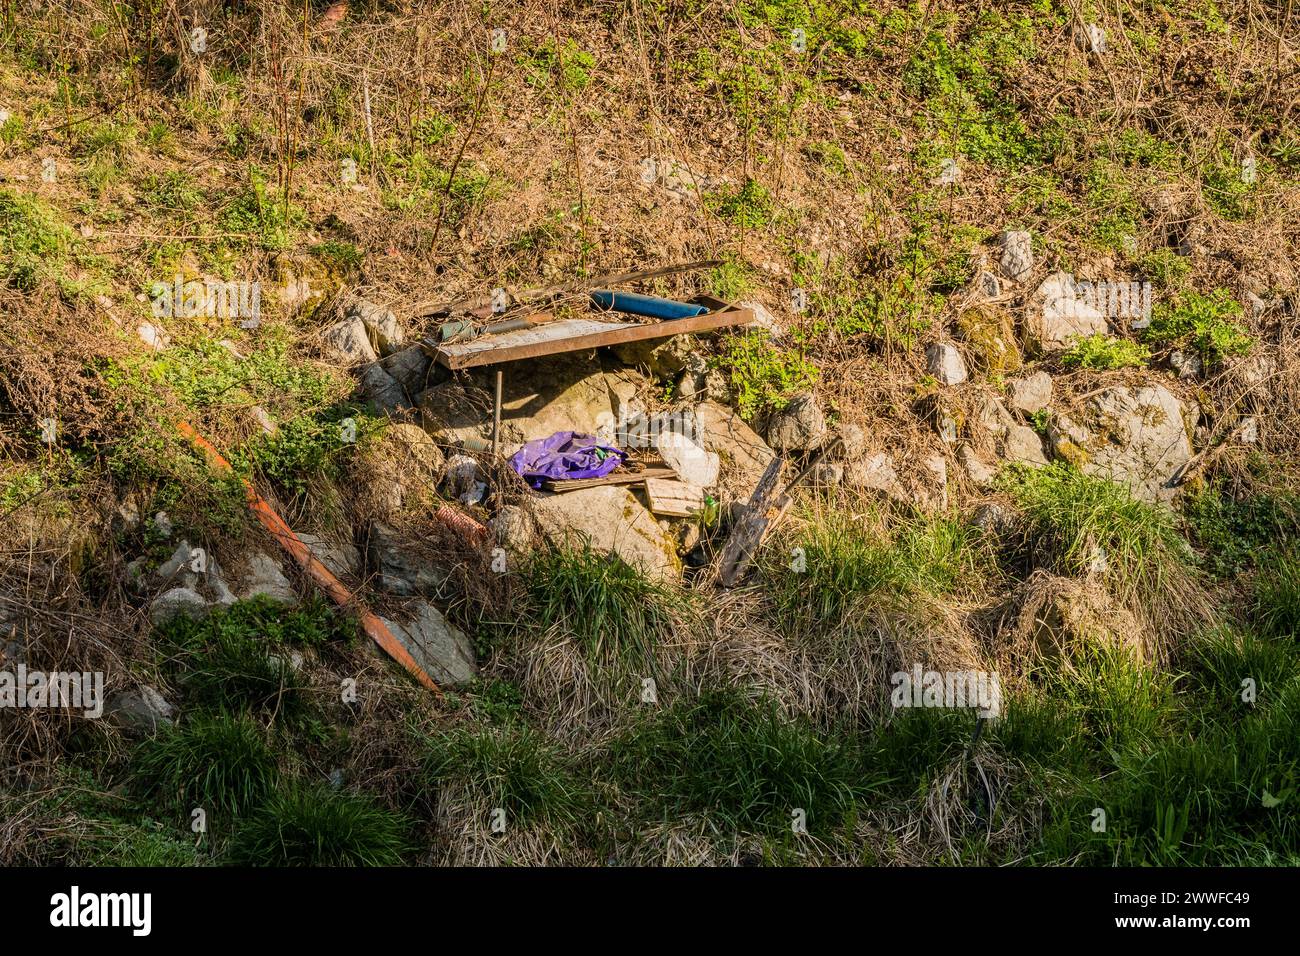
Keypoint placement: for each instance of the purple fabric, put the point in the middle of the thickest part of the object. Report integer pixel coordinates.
(565, 455)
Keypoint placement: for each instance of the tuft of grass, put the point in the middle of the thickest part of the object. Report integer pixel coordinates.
(514, 768)
(319, 826)
(846, 563)
(612, 610)
(1072, 517)
(1105, 353)
(239, 657)
(139, 844)
(1276, 608)
(219, 763)
(743, 764)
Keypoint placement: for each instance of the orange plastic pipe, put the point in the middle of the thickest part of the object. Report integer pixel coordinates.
(338, 592)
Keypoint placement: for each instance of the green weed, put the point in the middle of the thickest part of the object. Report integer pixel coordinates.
(1102, 352)
(319, 826)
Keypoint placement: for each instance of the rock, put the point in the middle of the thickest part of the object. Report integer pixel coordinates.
(692, 463)
(1056, 316)
(153, 336)
(679, 180)
(1017, 257)
(142, 710)
(514, 529)
(410, 368)
(381, 326)
(990, 335)
(177, 570)
(1186, 364)
(178, 602)
(827, 474)
(624, 398)
(799, 426)
(412, 447)
(263, 577)
(688, 385)
(398, 569)
(945, 363)
(610, 520)
(988, 285)
(1133, 436)
(717, 387)
(947, 427)
(1249, 433)
(382, 390)
(994, 519)
(347, 343)
(993, 415)
(539, 398)
(744, 455)
(341, 558)
(763, 319)
(930, 487)
(1031, 393)
(865, 467)
(444, 651)
(662, 358)
(980, 473)
(1023, 446)
(1254, 374)
(264, 421)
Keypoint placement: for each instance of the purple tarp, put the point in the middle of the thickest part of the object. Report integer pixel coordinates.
(565, 455)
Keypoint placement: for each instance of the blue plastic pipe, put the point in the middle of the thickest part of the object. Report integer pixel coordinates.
(645, 305)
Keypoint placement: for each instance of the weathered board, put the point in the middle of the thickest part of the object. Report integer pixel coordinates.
(614, 478)
(574, 335)
(673, 499)
(762, 511)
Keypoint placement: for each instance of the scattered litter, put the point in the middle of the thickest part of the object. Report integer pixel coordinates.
(565, 455)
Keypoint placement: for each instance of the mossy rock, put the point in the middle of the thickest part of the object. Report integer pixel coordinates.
(991, 336)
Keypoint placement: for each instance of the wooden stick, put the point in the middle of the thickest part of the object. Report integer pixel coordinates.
(298, 550)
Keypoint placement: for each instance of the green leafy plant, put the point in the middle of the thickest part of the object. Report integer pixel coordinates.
(749, 206)
(763, 375)
(1105, 353)
(1205, 324)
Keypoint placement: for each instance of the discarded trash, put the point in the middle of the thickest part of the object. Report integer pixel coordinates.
(649, 305)
(565, 455)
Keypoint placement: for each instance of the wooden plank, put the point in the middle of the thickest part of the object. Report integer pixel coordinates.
(573, 335)
(675, 499)
(577, 285)
(615, 478)
(761, 515)
(761, 512)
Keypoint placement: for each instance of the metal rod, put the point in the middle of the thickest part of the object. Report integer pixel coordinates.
(496, 416)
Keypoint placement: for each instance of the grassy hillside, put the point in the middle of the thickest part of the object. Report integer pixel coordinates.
(868, 156)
